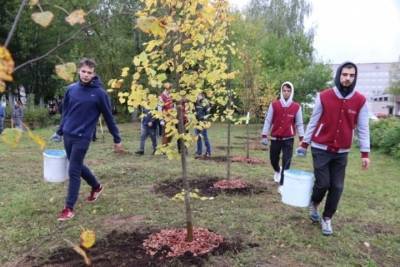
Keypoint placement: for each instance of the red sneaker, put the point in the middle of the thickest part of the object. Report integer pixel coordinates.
(66, 214)
(94, 194)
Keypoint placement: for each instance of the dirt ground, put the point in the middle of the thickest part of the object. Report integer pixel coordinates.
(126, 249)
(205, 186)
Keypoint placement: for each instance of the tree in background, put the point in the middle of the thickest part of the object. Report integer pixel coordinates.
(272, 32)
(37, 50)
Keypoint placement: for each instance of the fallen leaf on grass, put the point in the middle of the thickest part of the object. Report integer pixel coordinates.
(88, 238)
(193, 195)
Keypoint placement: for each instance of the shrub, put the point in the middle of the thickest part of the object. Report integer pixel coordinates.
(385, 136)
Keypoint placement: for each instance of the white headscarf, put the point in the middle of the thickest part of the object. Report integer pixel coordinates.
(286, 103)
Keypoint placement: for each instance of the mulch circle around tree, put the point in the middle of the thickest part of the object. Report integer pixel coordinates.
(129, 249)
(206, 187)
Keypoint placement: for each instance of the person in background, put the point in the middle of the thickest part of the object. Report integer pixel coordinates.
(83, 103)
(337, 112)
(165, 105)
(18, 114)
(284, 116)
(148, 128)
(2, 115)
(202, 108)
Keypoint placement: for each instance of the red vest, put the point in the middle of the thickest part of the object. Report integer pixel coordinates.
(338, 120)
(167, 102)
(284, 120)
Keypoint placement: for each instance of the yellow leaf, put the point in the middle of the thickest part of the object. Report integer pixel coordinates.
(116, 84)
(37, 139)
(161, 77)
(136, 76)
(179, 68)
(66, 71)
(136, 61)
(151, 25)
(150, 3)
(42, 18)
(177, 48)
(125, 72)
(33, 2)
(6, 65)
(153, 43)
(2, 86)
(77, 16)
(88, 238)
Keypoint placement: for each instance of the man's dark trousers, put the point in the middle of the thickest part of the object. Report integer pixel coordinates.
(329, 171)
(286, 146)
(76, 148)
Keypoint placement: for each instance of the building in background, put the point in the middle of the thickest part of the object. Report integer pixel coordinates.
(373, 81)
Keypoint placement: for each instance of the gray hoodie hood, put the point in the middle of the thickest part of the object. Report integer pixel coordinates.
(286, 103)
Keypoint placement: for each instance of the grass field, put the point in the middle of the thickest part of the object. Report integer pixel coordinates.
(367, 224)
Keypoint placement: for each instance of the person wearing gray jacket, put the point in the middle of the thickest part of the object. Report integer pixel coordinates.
(338, 113)
(284, 116)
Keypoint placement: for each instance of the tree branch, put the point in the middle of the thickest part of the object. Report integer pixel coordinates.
(54, 48)
(14, 26)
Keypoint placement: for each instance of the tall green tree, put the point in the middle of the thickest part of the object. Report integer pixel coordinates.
(107, 35)
(273, 35)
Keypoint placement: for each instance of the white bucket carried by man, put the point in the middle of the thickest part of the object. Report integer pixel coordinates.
(55, 166)
(297, 187)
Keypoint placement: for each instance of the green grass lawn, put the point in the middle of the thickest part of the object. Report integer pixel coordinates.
(367, 224)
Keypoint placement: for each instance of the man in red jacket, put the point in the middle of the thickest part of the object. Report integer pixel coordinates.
(166, 105)
(282, 119)
(338, 111)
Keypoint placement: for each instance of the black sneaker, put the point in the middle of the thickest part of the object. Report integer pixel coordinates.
(139, 153)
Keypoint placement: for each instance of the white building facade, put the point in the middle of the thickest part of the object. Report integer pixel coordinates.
(373, 81)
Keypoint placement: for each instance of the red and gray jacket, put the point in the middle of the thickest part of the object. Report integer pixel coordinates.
(283, 118)
(334, 120)
(166, 102)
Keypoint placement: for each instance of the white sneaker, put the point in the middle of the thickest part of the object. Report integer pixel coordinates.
(277, 177)
(326, 226)
(280, 188)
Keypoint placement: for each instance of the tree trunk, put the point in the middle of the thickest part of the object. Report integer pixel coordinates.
(247, 141)
(182, 151)
(228, 154)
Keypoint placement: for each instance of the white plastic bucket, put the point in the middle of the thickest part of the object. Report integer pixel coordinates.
(297, 187)
(55, 165)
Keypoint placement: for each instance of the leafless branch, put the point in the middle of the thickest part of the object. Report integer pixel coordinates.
(14, 26)
(54, 48)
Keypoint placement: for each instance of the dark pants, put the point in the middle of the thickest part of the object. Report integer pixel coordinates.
(286, 147)
(76, 149)
(147, 132)
(1, 124)
(202, 135)
(329, 171)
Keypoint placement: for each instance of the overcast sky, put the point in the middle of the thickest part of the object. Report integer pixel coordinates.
(363, 31)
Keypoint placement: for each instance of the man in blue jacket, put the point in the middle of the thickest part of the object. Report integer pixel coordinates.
(148, 129)
(83, 103)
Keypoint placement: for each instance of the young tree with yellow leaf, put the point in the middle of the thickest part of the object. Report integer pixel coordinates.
(188, 48)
